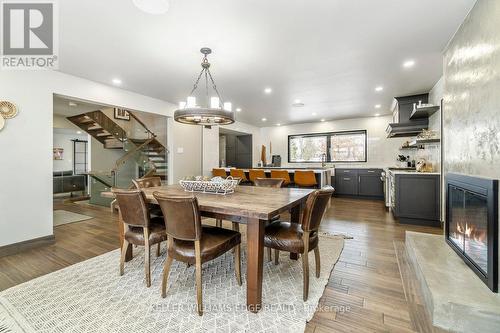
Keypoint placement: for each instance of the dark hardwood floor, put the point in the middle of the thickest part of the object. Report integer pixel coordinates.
(365, 292)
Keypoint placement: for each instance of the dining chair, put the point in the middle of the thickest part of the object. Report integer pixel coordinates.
(219, 173)
(301, 238)
(253, 174)
(147, 182)
(283, 174)
(269, 182)
(273, 183)
(140, 228)
(192, 243)
(305, 178)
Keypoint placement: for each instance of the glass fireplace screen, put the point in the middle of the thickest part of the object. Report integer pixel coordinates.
(468, 226)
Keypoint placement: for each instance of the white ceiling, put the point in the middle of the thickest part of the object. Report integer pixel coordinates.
(331, 54)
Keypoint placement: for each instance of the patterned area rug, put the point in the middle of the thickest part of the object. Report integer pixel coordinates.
(65, 217)
(92, 297)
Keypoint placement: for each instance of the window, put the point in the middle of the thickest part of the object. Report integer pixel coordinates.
(329, 147)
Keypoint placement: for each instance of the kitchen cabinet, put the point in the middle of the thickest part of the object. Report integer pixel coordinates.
(416, 198)
(364, 183)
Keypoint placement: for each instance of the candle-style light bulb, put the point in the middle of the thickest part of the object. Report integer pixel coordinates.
(228, 106)
(191, 102)
(214, 103)
(182, 105)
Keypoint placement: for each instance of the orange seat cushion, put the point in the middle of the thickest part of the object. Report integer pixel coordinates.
(238, 173)
(256, 173)
(283, 174)
(305, 178)
(219, 173)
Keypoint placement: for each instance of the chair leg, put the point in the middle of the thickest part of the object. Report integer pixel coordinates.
(305, 268)
(122, 256)
(158, 248)
(166, 272)
(276, 256)
(237, 263)
(147, 250)
(199, 299)
(317, 261)
(269, 254)
(218, 223)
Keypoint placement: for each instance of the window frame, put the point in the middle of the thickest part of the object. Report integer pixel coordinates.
(328, 144)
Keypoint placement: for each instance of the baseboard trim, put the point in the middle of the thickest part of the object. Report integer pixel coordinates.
(11, 249)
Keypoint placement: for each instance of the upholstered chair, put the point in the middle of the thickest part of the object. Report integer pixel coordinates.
(305, 178)
(253, 174)
(283, 174)
(147, 182)
(219, 173)
(140, 228)
(269, 182)
(296, 238)
(192, 243)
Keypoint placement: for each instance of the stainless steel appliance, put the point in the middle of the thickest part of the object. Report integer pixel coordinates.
(276, 160)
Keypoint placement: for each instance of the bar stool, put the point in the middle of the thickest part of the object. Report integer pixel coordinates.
(253, 174)
(219, 173)
(305, 178)
(283, 174)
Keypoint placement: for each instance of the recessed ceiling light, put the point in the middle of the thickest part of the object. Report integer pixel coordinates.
(278, 124)
(323, 120)
(409, 63)
(378, 106)
(155, 7)
(268, 90)
(238, 109)
(377, 114)
(72, 104)
(78, 132)
(297, 103)
(379, 88)
(314, 114)
(264, 119)
(117, 82)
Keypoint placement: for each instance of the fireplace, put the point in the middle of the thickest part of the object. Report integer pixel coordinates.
(472, 224)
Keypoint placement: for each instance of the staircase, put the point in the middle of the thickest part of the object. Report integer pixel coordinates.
(143, 150)
(102, 128)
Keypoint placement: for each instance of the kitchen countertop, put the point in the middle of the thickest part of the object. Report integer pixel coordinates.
(290, 170)
(413, 172)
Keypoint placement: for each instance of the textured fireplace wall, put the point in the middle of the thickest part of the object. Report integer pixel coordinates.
(472, 94)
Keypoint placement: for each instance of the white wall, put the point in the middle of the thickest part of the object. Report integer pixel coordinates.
(31, 131)
(382, 152)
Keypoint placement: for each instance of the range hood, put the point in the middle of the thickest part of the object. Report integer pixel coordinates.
(403, 125)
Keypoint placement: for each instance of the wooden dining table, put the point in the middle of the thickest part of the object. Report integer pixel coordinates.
(250, 205)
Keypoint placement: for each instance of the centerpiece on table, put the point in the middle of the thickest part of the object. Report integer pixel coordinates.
(216, 185)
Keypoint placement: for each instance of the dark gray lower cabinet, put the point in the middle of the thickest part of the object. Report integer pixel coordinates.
(417, 199)
(359, 183)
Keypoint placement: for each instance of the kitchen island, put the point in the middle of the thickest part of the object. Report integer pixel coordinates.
(323, 175)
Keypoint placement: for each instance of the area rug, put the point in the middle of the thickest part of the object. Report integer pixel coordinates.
(92, 297)
(64, 217)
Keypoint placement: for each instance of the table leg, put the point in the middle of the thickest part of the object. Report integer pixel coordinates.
(295, 217)
(255, 243)
(121, 229)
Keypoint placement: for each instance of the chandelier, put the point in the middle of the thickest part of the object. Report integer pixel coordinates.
(215, 111)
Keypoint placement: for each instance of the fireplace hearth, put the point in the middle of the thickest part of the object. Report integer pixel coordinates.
(472, 224)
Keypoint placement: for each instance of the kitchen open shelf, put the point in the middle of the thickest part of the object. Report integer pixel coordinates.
(424, 112)
(417, 142)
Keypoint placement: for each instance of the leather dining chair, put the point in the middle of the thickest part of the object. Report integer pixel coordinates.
(140, 228)
(269, 182)
(219, 173)
(305, 178)
(253, 174)
(146, 182)
(192, 243)
(283, 174)
(301, 238)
